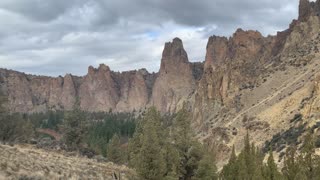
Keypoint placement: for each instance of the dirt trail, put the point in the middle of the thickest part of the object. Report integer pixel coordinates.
(51, 133)
(289, 83)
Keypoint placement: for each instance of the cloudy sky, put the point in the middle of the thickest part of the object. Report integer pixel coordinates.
(54, 37)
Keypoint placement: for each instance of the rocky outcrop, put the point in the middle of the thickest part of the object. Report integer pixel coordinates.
(134, 90)
(100, 90)
(69, 93)
(307, 9)
(232, 64)
(304, 10)
(175, 83)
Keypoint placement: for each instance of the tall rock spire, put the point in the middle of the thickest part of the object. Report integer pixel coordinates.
(173, 55)
(304, 10)
(175, 81)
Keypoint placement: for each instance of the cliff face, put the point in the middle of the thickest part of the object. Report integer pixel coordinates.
(175, 83)
(100, 90)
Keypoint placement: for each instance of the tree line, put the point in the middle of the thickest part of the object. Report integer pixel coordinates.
(82, 131)
(297, 165)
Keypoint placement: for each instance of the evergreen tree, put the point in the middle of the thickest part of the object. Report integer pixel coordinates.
(6, 125)
(134, 146)
(189, 150)
(207, 169)
(291, 167)
(171, 156)
(148, 157)
(271, 169)
(308, 160)
(74, 127)
(248, 165)
(26, 130)
(114, 151)
(170, 153)
(231, 170)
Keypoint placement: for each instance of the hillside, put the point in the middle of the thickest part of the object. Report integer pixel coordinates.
(27, 162)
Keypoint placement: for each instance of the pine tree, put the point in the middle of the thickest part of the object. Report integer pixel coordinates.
(5, 129)
(114, 151)
(308, 159)
(248, 165)
(169, 154)
(26, 130)
(271, 169)
(148, 158)
(134, 147)
(231, 170)
(74, 127)
(207, 169)
(189, 150)
(291, 167)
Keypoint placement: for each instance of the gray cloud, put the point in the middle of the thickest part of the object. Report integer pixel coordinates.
(55, 37)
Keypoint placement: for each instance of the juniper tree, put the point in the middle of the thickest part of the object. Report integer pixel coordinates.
(271, 170)
(308, 160)
(189, 149)
(114, 151)
(231, 170)
(74, 127)
(146, 155)
(207, 169)
(291, 167)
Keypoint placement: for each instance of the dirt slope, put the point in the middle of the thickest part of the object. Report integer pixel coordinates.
(29, 162)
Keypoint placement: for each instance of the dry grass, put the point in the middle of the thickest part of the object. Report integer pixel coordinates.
(27, 162)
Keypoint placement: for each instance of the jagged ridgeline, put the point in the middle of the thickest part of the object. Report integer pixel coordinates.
(247, 82)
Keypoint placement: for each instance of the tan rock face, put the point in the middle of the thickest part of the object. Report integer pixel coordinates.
(99, 91)
(134, 91)
(175, 83)
(231, 63)
(68, 95)
(217, 51)
(304, 10)
(19, 92)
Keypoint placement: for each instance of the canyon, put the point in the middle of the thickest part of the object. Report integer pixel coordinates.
(247, 82)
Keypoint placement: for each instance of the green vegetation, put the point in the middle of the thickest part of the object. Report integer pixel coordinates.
(100, 132)
(289, 137)
(247, 165)
(82, 131)
(74, 128)
(114, 151)
(13, 127)
(159, 152)
(304, 165)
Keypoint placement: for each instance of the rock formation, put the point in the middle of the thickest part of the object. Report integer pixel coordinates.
(175, 82)
(247, 81)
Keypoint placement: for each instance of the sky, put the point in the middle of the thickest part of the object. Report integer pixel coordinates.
(55, 37)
